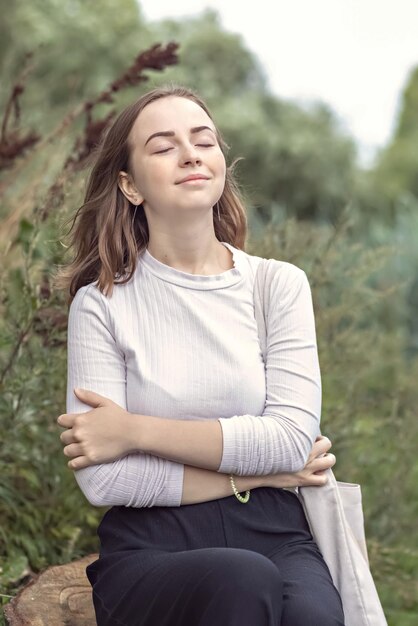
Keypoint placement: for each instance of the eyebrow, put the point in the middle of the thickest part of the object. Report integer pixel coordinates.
(171, 133)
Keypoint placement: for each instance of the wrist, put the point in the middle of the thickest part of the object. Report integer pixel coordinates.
(283, 480)
(139, 432)
(244, 483)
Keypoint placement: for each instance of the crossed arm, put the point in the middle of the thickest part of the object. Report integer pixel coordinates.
(110, 432)
(109, 446)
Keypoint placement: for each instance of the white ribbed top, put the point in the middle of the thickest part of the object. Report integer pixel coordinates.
(185, 346)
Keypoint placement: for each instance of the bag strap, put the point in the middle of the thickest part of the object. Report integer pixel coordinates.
(266, 269)
(259, 293)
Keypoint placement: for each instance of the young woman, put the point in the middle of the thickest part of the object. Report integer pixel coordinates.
(170, 409)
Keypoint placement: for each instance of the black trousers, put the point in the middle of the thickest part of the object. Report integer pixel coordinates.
(217, 563)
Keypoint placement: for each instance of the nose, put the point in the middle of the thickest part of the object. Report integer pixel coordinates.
(189, 155)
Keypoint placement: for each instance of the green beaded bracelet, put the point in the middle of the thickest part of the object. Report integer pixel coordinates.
(243, 499)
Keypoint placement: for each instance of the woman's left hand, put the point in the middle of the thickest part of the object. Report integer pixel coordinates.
(314, 474)
(102, 435)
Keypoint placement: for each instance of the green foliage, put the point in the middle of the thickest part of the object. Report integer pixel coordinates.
(295, 157)
(205, 48)
(308, 204)
(41, 512)
(78, 48)
(394, 181)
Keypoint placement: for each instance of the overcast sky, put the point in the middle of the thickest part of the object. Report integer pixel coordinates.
(356, 55)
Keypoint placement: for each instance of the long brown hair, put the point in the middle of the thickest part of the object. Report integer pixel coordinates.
(109, 232)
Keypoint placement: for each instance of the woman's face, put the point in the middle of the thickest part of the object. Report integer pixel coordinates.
(173, 138)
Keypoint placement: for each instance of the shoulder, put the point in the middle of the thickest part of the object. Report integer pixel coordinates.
(278, 273)
(283, 270)
(286, 273)
(288, 283)
(283, 284)
(89, 292)
(89, 299)
(92, 308)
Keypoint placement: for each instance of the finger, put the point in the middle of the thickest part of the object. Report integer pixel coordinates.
(322, 463)
(321, 447)
(316, 480)
(67, 437)
(320, 479)
(74, 449)
(321, 437)
(91, 397)
(78, 463)
(67, 419)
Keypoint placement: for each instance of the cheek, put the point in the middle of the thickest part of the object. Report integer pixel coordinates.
(148, 179)
(220, 164)
(222, 169)
(137, 178)
(220, 183)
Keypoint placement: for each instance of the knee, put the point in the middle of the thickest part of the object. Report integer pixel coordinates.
(308, 611)
(245, 572)
(239, 587)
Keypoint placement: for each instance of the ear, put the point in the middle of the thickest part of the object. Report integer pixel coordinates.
(129, 189)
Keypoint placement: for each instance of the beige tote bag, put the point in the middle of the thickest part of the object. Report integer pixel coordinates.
(334, 511)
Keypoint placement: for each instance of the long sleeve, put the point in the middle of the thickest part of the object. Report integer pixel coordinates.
(96, 363)
(281, 438)
(185, 346)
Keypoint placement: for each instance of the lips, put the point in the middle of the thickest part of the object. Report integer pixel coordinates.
(193, 177)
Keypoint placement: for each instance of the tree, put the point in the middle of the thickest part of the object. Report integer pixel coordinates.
(297, 160)
(77, 49)
(213, 61)
(396, 172)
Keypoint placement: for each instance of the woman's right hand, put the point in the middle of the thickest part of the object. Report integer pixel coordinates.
(314, 472)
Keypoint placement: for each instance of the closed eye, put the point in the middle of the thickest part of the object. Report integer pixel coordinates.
(200, 145)
(161, 151)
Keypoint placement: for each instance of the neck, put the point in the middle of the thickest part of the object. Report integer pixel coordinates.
(191, 248)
